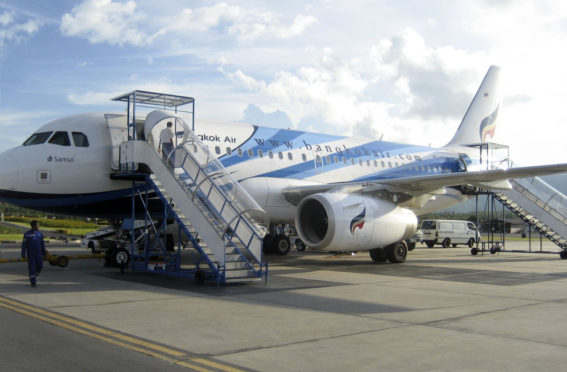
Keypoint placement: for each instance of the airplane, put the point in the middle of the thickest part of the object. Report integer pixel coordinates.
(341, 193)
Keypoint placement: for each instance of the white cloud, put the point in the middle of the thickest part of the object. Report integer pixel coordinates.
(123, 23)
(6, 18)
(90, 98)
(432, 86)
(12, 30)
(241, 23)
(106, 21)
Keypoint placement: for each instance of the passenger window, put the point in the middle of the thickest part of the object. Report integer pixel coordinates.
(217, 150)
(303, 157)
(240, 153)
(80, 139)
(351, 161)
(336, 160)
(382, 162)
(261, 153)
(271, 154)
(344, 160)
(375, 164)
(250, 153)
(280, 155)
(37, 138)
(228, 151)
(318, 160)
(289, 156)
(60, 138)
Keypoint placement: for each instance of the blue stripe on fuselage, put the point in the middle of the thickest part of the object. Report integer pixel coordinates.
(312, 144)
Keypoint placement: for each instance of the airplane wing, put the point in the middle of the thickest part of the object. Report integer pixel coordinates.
(420, 185)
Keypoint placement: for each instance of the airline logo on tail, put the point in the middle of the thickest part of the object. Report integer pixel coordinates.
(488, 125)
(358, 221)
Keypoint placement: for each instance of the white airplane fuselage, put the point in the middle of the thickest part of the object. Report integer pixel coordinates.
(78, 180)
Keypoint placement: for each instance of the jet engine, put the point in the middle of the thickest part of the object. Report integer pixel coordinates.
(351, 222)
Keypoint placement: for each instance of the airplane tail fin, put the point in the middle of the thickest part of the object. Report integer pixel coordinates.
(479, 122)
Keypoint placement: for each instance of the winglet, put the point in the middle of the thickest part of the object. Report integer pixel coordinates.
(479, 122)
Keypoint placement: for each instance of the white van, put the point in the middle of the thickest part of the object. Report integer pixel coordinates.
(448, 232)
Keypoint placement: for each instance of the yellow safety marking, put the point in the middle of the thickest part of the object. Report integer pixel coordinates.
(210, 363)
(84, 332)
(103, 331)
(192, 366)
(131, 343)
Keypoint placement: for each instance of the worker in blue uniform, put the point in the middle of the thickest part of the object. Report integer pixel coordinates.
(33, 248)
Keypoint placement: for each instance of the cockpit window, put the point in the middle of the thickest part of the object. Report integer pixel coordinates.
(80, 139)
(37, 138)
(60, 138)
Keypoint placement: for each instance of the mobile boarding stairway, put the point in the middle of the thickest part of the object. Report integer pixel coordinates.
(531, 199)
(541, 206)
(221, 220)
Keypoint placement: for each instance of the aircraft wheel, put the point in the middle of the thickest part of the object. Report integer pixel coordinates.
(378, 255)
(446, 243)
(281, 244)
(397, 252)
(62, 261)
(299, 245)
(474, 251)
(563, 255)
(122, 256)
(411, 246)
(493, 250)
(429, 244)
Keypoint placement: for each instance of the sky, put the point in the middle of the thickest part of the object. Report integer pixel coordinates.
(404, 71)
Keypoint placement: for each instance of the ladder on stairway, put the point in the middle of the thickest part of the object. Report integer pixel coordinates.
(540, 205)
(206, 202)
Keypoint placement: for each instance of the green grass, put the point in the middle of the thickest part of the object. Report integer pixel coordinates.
(55, 223)
(11, 233)
(11, 237)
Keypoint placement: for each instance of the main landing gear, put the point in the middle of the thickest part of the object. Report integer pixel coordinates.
(278, 244)
(395, 253)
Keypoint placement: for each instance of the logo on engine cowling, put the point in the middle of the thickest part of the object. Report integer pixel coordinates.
(358, 221)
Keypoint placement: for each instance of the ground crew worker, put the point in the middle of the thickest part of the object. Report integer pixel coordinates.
(33, 248)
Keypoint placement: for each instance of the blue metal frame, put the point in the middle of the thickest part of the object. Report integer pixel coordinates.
(172, 262)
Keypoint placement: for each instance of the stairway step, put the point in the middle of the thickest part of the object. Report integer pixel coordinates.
(242, 280)
(237, 265)
(233, 274)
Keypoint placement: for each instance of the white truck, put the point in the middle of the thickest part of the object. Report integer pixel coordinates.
(449, 232)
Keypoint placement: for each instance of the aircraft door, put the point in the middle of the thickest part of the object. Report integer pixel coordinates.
(157, 120)
(118, 133)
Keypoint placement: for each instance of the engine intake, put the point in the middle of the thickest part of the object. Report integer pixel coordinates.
(349, 222)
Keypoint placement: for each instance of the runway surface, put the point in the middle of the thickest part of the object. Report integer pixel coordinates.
(441, 310)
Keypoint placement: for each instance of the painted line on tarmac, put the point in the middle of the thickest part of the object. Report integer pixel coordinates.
(129, 342)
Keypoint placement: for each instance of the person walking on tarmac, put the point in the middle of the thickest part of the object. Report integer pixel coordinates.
(33, 248)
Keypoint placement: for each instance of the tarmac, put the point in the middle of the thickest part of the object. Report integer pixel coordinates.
(441, 310)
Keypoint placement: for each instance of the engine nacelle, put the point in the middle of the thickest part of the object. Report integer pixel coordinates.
(351, 222)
